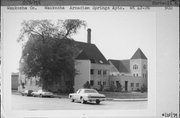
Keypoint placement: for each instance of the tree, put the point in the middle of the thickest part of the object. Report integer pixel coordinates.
(48, 50)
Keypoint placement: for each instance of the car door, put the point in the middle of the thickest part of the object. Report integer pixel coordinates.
(78, 94)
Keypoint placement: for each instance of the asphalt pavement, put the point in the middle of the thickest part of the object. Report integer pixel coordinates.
(36, 103)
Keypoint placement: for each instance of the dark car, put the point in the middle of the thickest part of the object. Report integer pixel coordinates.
(27, 93)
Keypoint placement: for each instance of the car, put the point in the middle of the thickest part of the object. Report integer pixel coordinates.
(87, 95)
(27, 93)
(41, 93)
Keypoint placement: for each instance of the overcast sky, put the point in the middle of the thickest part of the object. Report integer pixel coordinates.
(117, 34)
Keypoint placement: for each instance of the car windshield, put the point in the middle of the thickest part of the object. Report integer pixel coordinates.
(90, 91)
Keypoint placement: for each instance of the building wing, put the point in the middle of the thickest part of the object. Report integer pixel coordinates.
(91, 52)
(123, 66)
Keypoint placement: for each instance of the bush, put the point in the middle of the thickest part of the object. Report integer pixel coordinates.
(143, 88)
(87, 85)
(119, 87)
(112, 88)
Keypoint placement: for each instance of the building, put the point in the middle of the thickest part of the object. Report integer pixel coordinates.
(14, 81)
(131, 73)
(92, 66)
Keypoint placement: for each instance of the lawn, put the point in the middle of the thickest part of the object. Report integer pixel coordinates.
(125, 95)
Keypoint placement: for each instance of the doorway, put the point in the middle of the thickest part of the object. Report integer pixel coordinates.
(126, 85)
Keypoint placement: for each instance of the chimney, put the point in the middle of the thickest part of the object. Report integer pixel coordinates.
(88, 35)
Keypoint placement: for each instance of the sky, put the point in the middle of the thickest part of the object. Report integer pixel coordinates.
(117, 34)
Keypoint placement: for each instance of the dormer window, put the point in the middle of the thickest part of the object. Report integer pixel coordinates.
(100, 61)
(93, 60)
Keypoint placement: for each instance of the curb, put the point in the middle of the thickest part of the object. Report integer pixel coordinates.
(112, 99)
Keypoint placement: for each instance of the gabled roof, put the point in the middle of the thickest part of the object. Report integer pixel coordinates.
(121, 65)
(91, 52)
(138, 55)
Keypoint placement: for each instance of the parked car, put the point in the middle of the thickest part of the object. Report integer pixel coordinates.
(87, 95)
(27, 93)
(41, 93)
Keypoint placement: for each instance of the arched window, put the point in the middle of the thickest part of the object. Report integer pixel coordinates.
(135, 66)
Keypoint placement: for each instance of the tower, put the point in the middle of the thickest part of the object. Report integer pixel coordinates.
(138, 64)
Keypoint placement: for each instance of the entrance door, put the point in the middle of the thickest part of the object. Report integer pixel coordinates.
(126, 85)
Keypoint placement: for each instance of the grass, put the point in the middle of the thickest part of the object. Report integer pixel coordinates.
(125, 95)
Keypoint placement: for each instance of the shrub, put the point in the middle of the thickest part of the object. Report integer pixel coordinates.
(143, 88)
(87, 85)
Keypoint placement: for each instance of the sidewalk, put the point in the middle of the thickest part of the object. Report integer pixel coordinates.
(115, 99)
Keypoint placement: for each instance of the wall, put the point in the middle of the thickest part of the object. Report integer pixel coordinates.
(129, 79)
(83, 69)
(140, 71)
(14, 81)
(101, 78)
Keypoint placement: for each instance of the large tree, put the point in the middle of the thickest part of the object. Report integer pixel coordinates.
(48, 50)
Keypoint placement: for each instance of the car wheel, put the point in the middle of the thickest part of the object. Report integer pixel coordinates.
(72, 100)
(41, 95)
(97, 101)
(83, 101)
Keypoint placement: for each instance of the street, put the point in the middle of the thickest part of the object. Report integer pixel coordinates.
(35, 103)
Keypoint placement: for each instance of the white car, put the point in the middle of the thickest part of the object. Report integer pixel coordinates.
(87, 95)
(41, 93)
(27, 93)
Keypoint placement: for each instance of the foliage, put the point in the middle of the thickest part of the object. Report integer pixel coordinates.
(47, 28)
(112, 87)
(143, 88)
(49, 52)
(117, 88)
(87, 85)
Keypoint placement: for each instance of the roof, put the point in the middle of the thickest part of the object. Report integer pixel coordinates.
(121, 65)
(91, 52)
(138, 55)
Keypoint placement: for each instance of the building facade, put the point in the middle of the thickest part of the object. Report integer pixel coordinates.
(132, 74)
(14, 81)
(100, 73)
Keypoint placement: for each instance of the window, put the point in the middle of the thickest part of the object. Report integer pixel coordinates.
(104, 83)
(93, 60)
(137, 75)
(145, 67)
(135, 66)
(91, 82)
(100, 61)
(132, 84)
(92, 71)
(104, 72)
(99, 72)
(112, 82)
(134, 75)
(137, 84)
(99, 83)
